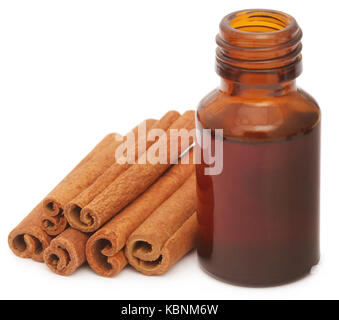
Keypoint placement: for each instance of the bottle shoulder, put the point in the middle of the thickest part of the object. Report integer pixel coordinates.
(259, 119)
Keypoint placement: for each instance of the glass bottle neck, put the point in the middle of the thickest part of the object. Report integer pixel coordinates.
(259, 50)
(233, 88)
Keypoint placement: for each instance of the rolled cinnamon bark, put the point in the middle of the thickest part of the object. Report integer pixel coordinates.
(80, 178)
(167, 235)
(103, 260)
(103, 246)
(66, 252)
(31, 236)
(74, 207)
(132, 182)
(28, 240)
(53, 225)
(53, 220)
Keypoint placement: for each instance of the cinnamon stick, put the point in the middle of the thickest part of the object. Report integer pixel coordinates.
(66, 252)
(81, 177)
(31, 237)
(132, 182)
(74, 207)
(53, 220)
(103, 246)
(167, 235)
(103, 260)
(28, 240)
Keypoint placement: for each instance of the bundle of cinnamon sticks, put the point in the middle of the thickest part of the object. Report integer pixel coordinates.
(110, 212)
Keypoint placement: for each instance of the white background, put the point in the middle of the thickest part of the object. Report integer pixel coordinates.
(73, 71)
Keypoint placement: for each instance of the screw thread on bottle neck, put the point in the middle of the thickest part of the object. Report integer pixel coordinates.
(259, 46)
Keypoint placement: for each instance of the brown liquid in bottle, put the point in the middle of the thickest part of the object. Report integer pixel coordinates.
(259, 218)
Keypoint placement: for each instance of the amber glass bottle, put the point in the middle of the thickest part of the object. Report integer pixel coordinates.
(259, 218)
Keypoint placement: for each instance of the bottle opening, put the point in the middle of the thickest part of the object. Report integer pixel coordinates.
(259, 21)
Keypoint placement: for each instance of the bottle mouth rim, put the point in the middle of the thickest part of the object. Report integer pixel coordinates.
(262, 24)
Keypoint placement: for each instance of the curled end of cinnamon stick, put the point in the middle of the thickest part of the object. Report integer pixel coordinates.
(51, 207)
(143, 254)
(102, 258)
(144, 257)
(29, 244)
(53, 221)
(66, 252)
(81, 219)
(28, 240)
(53, 225)
(58, 260)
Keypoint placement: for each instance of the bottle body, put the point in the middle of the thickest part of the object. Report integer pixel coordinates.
(259, 218)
